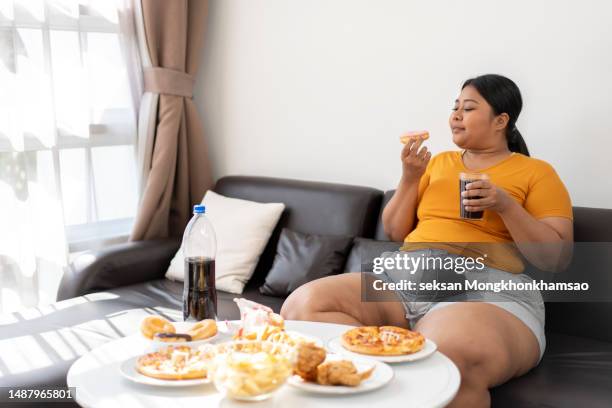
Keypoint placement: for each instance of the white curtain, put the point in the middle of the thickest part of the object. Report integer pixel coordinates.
(136, 53)
(67, 129)
(146, 102)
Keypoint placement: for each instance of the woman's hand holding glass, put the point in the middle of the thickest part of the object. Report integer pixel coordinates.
(491, 197)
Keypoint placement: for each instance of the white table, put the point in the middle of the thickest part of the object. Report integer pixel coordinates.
(431, 382)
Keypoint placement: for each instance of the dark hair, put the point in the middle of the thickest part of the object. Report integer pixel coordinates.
(504, 97)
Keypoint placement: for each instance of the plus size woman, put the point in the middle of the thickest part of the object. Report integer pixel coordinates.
(491, 337)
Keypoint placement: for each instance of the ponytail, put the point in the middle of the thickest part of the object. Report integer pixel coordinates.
(516, 143)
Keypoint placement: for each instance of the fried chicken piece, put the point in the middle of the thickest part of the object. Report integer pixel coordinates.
(341, 372)
(309, 356)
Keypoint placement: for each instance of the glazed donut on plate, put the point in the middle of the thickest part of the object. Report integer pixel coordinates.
(155, 324)
(203, 330)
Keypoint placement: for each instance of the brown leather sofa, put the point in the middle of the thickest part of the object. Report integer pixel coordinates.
(103, 285)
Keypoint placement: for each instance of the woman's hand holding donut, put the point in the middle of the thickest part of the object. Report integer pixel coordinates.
(490, 196)
(414, 160)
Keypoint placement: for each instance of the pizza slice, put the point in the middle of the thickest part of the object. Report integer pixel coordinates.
(382, 340)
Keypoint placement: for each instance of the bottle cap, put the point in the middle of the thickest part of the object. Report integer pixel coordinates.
(199, 209)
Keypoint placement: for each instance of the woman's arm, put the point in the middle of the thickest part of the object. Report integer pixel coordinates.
(546, 243)
(400, 213)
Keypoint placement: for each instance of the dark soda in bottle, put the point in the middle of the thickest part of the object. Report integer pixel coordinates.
(200, 298)
(199, 250)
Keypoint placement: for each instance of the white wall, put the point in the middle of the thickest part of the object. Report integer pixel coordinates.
(322, 89)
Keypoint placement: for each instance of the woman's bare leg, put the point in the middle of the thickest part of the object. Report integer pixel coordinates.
(488, 344)
(337, 299)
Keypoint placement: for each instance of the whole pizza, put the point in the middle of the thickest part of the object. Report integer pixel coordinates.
(174, 363)
(382, 340)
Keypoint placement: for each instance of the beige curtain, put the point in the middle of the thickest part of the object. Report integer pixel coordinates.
(179, 173)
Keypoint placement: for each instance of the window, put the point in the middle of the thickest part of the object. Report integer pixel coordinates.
(67, 120)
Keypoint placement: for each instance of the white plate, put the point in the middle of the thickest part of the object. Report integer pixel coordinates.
(306, 337)
(380, 377)
(128, 370)
(430, 347)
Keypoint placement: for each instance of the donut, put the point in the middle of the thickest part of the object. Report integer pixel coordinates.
(418, 134)
(155, 324)
(203, 330)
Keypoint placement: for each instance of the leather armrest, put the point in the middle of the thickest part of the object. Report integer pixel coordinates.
(117, 265)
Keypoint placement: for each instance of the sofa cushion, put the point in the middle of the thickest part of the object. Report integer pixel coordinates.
(592, 224)
(380, 231)
(301, 258)
(586, 319)
(574, 372)
(364, 251)
(170, 294)
(311, 208)
(591, 263)
(242, 229)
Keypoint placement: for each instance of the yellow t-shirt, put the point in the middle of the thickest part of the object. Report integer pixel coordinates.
(531, 182)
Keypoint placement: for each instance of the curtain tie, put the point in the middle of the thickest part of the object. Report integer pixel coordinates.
(168, 81)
